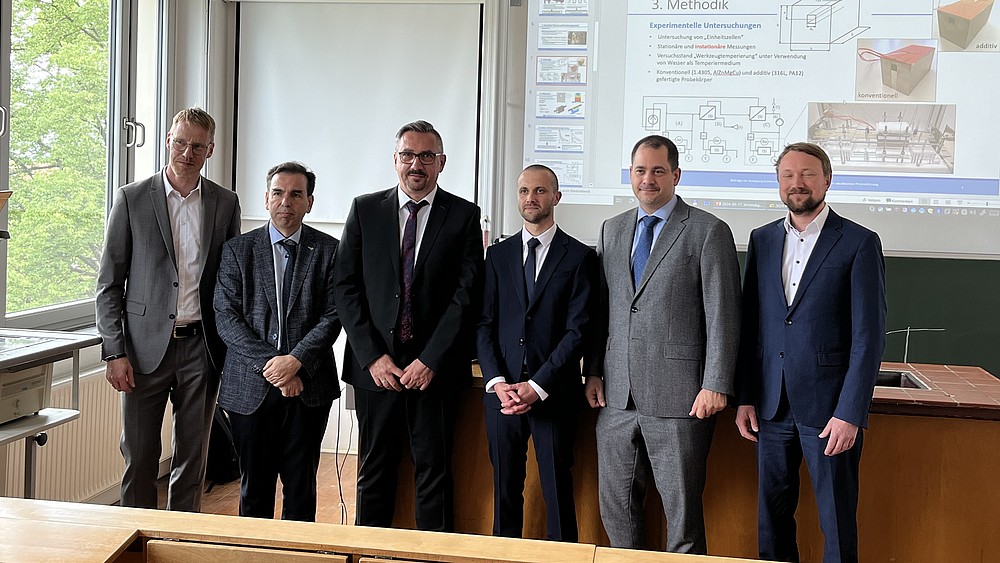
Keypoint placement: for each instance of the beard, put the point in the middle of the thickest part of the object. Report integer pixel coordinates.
(535, 216)
(806, 207)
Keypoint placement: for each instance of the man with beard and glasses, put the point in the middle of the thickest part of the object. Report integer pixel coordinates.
(812, 340)
(536, 315)
(408, 274)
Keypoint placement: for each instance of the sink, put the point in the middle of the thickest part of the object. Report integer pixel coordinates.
(897, 378)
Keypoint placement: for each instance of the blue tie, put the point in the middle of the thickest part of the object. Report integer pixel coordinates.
(643, 247)
(529, 269)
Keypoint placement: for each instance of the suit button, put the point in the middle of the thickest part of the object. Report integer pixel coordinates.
(397, 296)
(634, 309)
(175, 284)
(781, 354)
(172, 316)
(392, 331)
(788, 322)
(527, 318)
(520, 341)
(274, 337)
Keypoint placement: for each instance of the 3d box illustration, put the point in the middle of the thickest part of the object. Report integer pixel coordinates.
(962, 21)
(903, 68)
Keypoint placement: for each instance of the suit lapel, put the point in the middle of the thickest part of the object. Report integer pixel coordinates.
(439, 213)
(390, 217)
(303, 263)
(263, 266)
(557, 251)
(512, 253)
(209, 202)
(828, 238)
(672, 229)
(774, 247)
(617, 253)
(158, 194)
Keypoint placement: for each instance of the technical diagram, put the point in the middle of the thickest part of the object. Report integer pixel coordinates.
(815, 25)
(717, 130)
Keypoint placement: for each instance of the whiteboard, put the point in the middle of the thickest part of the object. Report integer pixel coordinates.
(330, 84)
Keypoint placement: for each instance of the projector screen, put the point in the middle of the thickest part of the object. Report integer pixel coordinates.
(902, 95)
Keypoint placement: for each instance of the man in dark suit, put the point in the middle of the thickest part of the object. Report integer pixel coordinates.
(813, 334)
(275, 310)
(670, 286)
(408, 286)
(154, 312)
(537, 303)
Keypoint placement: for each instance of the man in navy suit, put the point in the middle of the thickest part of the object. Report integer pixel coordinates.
(408, 289)
(536, 311)
(812, 340)
(275, 310)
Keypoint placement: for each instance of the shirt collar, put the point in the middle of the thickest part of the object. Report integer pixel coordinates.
(403, 199)
(814, 227)
(277, 237)
(545, 238)
(168, 187)
(663, 213)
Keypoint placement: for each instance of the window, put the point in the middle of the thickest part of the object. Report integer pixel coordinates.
(66, 57)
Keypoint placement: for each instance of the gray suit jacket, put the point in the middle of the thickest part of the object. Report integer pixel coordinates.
(247, 317)
(137, 283)
(678, 332)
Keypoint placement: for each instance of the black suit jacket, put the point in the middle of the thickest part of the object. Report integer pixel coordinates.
(446, 287)
(546, 335)
(247, 317)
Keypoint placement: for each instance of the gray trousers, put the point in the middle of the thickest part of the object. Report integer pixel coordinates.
(631, 449)
(185, 376)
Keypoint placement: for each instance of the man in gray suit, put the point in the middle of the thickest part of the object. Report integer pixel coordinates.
(274, 306)
(671, 303)
(154, 312)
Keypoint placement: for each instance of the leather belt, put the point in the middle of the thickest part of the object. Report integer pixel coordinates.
(189, 330)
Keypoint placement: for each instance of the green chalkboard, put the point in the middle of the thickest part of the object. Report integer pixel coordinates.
(960, 296)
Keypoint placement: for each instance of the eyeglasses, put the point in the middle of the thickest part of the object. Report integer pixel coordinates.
(426, 157)
(180, 146)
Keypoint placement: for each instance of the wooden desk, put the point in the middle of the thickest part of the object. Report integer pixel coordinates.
(927, 483)
(37, 530)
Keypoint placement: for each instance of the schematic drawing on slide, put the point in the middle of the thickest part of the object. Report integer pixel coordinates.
(816, 25)
(717, 130)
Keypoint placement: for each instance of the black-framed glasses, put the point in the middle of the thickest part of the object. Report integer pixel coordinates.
(425, 158)
(180, 146)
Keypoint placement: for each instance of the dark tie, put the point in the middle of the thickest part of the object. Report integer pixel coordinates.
(642, 248)
(409, 255)
(286, 288)
(529, 269)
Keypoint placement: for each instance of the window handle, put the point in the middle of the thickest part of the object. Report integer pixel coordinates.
(3, 121)
(129, 126)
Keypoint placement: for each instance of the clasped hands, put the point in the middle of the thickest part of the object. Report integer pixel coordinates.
(387, 375)
(282, 372)
(515, 398)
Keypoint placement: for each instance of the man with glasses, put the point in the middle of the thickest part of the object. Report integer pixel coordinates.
(154, 312)
(407, 284)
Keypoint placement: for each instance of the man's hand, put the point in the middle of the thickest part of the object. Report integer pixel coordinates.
(385, 373)
(511, 402)
(119, 374)
(281, 369)
(526, 396)
(707, 403)
(594, 391)
(746, 422)
(842, 435)
(417, 376)
(292, 388)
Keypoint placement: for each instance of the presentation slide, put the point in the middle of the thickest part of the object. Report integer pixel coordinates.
(901, 95)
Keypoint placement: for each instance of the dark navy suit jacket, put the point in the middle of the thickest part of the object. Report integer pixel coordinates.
(824, 348)
(548, 334)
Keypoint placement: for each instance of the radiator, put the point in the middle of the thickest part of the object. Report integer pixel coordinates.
(81, 460)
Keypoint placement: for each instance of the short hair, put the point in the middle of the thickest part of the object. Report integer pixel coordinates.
(656, 142)
(420, 126)
(197, 116)
(812, 150)
(293, 167)
(543, 168)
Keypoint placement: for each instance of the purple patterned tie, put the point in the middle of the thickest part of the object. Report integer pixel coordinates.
(409, 255)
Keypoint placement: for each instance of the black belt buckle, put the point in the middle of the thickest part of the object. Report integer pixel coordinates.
(187, 331)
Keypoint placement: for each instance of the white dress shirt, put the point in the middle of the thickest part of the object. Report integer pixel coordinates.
(422, 216)
(541, 252)
(798, 248)
(185, 228)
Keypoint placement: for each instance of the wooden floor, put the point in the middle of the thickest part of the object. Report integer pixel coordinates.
(334, 505)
